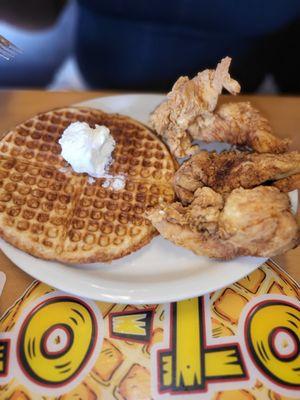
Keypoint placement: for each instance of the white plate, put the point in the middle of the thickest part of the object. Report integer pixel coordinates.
(160, 272)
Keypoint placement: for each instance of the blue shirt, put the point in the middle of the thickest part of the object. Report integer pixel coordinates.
(148, 44)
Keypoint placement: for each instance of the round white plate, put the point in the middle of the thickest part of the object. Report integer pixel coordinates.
(160, 272)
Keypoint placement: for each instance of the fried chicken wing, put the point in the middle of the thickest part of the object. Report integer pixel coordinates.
(255, 222)
(234, 169)
(190, 113)
(239, 124)
(188, 100)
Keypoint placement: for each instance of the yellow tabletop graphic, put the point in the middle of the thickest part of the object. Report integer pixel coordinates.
(241, 342)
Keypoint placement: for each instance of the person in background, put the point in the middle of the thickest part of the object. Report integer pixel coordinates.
(148, 44)
(31, 14)
(45, 32)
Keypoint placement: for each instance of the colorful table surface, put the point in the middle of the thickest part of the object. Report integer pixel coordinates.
(237, 343)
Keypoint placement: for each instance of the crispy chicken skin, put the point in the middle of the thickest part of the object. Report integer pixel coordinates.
(288, 184)
(254, 222)
(229, 170)
(190, 113)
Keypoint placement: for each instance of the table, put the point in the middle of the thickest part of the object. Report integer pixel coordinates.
(15, 106)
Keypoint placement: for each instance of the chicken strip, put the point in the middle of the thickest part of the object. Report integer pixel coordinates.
(190, 113)
(253, 222)
(188, 100)
(229, 170)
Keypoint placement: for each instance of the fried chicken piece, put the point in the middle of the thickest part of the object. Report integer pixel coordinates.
(234, 169)
(188, 100)
(239, 124)
(176, 223)
(190, 113)
(254, 222)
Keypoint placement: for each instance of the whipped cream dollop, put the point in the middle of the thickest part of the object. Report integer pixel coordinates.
(86, 149)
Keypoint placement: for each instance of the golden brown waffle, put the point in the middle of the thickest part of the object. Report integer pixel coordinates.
(53, 213)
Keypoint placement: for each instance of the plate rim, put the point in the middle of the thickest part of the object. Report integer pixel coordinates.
(12, 253)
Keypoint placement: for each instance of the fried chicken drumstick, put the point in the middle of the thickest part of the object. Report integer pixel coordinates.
(190, 113)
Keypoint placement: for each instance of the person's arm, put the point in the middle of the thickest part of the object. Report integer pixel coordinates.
(31, 14)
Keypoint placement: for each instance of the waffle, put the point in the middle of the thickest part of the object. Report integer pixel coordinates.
(51, 212)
